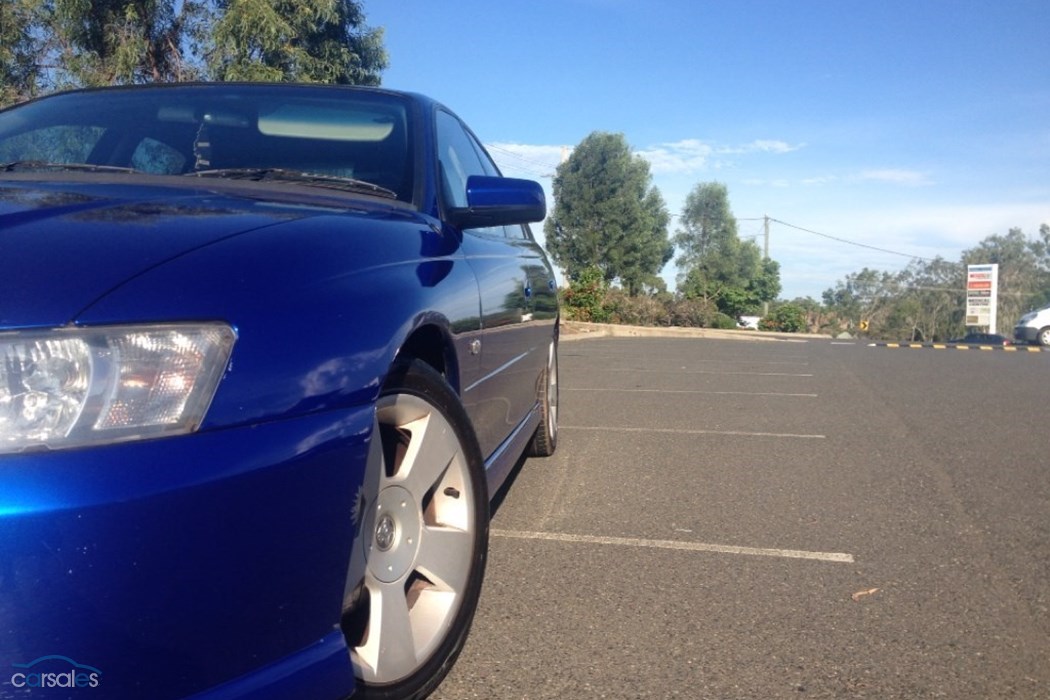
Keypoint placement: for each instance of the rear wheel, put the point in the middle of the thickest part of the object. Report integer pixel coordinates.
(545, 441)
(419, 554)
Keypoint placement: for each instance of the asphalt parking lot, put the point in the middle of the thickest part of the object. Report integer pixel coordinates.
(740, 519)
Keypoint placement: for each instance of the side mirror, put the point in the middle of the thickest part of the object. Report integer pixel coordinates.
(497, 201)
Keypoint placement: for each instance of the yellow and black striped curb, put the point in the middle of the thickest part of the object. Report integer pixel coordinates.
(961, 346)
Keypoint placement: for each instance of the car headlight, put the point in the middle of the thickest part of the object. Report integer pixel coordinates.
(71, 387)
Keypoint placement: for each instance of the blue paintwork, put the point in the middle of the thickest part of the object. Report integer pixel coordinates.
(213, 565)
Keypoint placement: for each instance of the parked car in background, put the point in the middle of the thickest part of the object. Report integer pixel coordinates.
(1034, 327)
(982, 339)
(266, 352)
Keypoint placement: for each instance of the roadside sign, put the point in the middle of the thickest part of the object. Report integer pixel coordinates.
(982, 295)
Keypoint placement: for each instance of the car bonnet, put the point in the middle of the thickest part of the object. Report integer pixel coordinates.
(64, 244)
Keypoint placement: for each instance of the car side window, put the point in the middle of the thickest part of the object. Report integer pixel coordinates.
(459, 157)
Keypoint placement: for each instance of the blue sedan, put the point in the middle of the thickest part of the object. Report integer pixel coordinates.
(266, 353)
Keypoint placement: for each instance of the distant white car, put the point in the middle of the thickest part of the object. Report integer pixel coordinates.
(1034, 327)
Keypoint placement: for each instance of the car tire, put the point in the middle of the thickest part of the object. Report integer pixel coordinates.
(1043, 337)
(422, 522)
(545, 440)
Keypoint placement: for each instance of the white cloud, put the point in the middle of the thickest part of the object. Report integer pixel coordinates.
(693, 155)
(904, 178)
(762, 146)
(686, 156)
(676, 157)
(820, 180)
(911, 178)
(779, 183)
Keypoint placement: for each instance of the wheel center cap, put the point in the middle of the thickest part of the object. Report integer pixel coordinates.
(396, 524)
(386, 531)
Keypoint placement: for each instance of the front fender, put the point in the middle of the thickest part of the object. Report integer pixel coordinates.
(321, 309)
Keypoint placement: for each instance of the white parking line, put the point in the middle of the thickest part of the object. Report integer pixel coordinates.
(692, 360)
(685, 431)
(838, 557)
(709, 371)
(694, 391)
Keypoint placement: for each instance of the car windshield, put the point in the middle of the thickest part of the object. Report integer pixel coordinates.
(310, 135)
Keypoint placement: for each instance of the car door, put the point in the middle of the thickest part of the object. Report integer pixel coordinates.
(506, 390)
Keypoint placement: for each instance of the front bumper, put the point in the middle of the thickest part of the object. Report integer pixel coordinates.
(209, 562)
(1025, 334)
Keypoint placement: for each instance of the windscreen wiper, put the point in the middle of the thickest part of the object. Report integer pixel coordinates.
(30, 165)
(284, 175)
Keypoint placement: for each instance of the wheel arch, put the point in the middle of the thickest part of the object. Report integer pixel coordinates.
(1043, 333)
(431, 342)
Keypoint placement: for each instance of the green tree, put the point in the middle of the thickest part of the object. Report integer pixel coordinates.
(106, 42)
(322, 41)
(862, 296)
(934, 290)
(716, 265)
(607, 215)
(18, 50)
(56, 44)
(708, 225)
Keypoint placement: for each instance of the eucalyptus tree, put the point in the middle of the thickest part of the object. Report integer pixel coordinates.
(322, 41)
(109, 42)
(18, 49)
(715, 264)
(48, 45)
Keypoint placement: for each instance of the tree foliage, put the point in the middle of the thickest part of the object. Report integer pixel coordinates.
(56, 44)
(321, 41)
(716, 265)
(18, 47)
(927, 300)
(607, 215)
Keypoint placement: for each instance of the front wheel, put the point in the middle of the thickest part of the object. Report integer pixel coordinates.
(1044, 336)
(422, 533)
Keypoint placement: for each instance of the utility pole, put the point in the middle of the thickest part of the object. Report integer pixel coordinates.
(765, 256)
(765, 228)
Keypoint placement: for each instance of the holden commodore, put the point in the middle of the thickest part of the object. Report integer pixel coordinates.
(266, 353)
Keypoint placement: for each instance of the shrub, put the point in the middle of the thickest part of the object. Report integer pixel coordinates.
(584, 300)
(786, 318)
(723, 321)
(636, 311)
(696, 313)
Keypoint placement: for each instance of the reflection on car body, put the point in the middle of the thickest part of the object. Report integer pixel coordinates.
(268, 350)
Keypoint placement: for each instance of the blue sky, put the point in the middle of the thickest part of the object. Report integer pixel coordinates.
(916, 126)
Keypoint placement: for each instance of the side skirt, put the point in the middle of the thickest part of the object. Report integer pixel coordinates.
(501, 462)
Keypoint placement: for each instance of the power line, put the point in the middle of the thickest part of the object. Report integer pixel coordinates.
(859, 245)
(546, 166)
